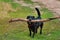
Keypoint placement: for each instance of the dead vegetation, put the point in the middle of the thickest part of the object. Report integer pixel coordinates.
(4, 9)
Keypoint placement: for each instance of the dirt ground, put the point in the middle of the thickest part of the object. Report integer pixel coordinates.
(53, 5)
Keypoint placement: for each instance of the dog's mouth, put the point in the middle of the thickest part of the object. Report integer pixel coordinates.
(29, 23)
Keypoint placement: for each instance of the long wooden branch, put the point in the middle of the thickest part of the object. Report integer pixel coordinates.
(27, 20)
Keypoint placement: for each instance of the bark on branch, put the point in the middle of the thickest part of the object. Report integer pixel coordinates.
(27, 20)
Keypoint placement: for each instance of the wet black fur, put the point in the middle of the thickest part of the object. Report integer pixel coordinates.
(33, 26)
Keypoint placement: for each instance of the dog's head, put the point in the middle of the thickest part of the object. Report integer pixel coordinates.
(30, 18)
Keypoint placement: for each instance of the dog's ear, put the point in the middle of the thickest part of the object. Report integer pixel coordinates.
(27, 17)
(33, 16)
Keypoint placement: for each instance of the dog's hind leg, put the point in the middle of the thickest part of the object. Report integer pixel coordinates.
(41, 26)
(30, 33)
(34, 31)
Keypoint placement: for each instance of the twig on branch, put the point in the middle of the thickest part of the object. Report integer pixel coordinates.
(27, 20)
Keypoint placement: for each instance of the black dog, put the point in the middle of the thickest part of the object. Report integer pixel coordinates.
(33, 26)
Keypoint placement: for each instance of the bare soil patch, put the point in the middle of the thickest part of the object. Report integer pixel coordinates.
(52, 5)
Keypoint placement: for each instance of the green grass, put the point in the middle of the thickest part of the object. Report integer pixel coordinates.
(6, 0)
(46, 13)
(19, 30)
(15, 5)
(22, 12)
(28, 1)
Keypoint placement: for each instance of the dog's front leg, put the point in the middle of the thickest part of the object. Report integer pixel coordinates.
(33, 34)
(30, 32)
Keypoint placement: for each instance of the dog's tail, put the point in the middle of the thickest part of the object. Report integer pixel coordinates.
(39, 14)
